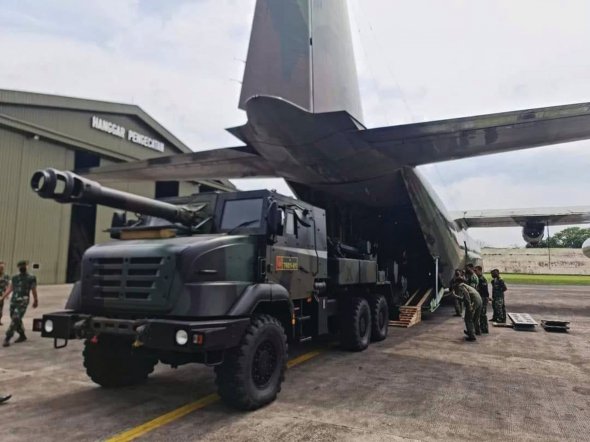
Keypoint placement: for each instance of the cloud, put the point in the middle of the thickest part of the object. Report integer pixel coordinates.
(417, 61)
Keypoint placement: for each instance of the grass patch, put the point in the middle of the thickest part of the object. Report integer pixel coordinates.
(518, 278)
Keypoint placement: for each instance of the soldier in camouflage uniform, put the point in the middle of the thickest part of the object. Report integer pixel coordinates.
(470, 276)
(458, 304)
(482, 288)
(4, 282)
(498, 289)
(20, 287)
(472, 302)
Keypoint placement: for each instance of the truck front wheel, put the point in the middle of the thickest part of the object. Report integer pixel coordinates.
(355, 324)
(111, 362)
(252, 373)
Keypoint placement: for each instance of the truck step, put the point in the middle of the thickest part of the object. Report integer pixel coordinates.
(303, 318)
(304, 339)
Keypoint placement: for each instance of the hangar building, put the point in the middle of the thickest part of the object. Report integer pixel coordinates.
(39, 131)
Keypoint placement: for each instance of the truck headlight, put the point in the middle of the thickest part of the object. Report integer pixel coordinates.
(48, 326)
(181, 337)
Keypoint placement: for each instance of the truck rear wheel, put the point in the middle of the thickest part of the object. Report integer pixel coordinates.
(355, 325)
(111, 362)
(379, 317)
(252, 373)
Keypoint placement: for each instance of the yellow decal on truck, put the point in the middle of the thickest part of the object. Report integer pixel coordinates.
(286, 263)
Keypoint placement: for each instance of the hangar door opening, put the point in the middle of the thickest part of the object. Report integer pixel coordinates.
(82, 222)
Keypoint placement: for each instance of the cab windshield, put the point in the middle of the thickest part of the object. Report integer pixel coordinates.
(246, 212)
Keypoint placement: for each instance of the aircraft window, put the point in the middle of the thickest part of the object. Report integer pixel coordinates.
(236, 212)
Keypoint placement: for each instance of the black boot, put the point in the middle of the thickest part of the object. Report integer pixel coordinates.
(470, 338)
(21, 338)
(6, 343)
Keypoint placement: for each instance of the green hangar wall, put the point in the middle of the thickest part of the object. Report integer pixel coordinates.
(39, 131)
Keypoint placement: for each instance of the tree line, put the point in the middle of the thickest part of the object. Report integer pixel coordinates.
(572, 238)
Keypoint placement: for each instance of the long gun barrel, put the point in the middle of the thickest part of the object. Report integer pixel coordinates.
(67, 187)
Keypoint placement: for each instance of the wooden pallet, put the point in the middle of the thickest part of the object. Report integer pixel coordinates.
(410, 315)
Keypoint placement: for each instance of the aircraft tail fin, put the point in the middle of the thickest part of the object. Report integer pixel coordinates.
(301, 51)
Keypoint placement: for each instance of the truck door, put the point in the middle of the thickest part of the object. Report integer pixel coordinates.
(294, 260)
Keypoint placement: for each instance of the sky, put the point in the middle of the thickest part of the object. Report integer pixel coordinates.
(421, 60)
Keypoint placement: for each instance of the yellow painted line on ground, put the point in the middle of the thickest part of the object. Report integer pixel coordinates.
(304, 357)
(174, 415)
(164, 419)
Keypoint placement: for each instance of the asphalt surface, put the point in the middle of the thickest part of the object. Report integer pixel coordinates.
(422, 383)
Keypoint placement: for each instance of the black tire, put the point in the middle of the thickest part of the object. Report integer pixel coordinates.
(252, 373)
(355, 325)
(112, 362)
(379, 317)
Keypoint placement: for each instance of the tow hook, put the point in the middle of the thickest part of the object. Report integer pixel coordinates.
(82, 328)
(140, 333)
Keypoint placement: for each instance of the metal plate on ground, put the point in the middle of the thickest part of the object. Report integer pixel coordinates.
(555, 326)
(522, 321)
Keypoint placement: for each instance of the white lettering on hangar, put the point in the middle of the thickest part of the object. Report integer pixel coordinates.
(119, 131)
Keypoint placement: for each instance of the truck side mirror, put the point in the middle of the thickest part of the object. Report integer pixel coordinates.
(274, 219)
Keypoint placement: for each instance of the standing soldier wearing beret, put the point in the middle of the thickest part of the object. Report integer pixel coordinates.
(485, 298)
(498, 289)
(4, 282)
(21, 286)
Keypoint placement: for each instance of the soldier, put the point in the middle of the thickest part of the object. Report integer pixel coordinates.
(20, 287)
(498, 290)
(458, 304)
(470, 276)
(472, 302)
(4, 282)
(482, 288)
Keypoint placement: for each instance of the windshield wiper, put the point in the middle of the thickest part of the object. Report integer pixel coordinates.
(244, 224)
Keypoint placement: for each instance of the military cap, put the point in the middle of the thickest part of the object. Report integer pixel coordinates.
(22, 262)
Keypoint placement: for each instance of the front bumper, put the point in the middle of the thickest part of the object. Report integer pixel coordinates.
(153, 334)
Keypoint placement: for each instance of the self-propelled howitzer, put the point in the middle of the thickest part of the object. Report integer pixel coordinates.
(231, 280)
(67, 187)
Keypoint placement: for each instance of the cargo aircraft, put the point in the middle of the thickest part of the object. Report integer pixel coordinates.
(305, 124)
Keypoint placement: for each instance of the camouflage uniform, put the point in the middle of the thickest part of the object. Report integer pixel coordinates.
(498, 289)
(472, 280)
(472, 302)
(4, 281)
(482, 288)
(22, 284)
(457, 300)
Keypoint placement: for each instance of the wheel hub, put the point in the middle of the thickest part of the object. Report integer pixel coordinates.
(363, 325)
(264, 364)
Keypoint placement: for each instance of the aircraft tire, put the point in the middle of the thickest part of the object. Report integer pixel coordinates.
(252, 373)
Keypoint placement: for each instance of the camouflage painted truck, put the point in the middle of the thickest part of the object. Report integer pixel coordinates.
(223, 279)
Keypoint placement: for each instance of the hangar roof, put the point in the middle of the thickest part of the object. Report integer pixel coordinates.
(39, 101)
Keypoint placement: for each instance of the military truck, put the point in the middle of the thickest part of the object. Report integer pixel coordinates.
(222, 279)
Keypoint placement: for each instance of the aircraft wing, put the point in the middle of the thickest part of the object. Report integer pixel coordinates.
(237, 162)
(519, 217)
(431, 142)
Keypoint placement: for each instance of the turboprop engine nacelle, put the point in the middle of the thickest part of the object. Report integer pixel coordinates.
(533, 233)
(586, 248)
